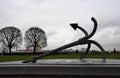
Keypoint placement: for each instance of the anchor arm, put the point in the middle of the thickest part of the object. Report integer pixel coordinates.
(100, 47)
(94, 29)
(83, 30)
(75, 26)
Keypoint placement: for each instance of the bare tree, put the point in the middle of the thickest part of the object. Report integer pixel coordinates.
(10, 37)
(35, 38)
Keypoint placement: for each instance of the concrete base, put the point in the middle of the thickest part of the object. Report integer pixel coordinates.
(61, 68)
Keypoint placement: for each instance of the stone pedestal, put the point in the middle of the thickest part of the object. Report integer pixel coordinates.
(61, 68)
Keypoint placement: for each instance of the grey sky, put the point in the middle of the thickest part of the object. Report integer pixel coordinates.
(54, 17)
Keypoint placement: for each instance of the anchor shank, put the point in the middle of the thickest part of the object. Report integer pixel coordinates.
(52, 52)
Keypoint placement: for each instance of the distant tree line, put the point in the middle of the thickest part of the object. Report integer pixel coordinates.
(11, 38)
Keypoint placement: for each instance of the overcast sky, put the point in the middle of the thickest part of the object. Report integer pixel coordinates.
(54, 17)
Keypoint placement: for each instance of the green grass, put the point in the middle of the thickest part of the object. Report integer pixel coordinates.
(77, 56)
(14, 57)
(56, 56)
(63, 56)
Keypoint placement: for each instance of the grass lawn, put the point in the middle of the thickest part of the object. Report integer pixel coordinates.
(56, 56)
(14, 57)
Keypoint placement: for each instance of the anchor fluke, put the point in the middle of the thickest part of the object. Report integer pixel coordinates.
(74, 25)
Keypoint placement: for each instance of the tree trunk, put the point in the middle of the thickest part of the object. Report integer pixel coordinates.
(10, 49)
(34, 49)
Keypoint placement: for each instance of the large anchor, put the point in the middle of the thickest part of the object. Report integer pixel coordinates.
(81, 41)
